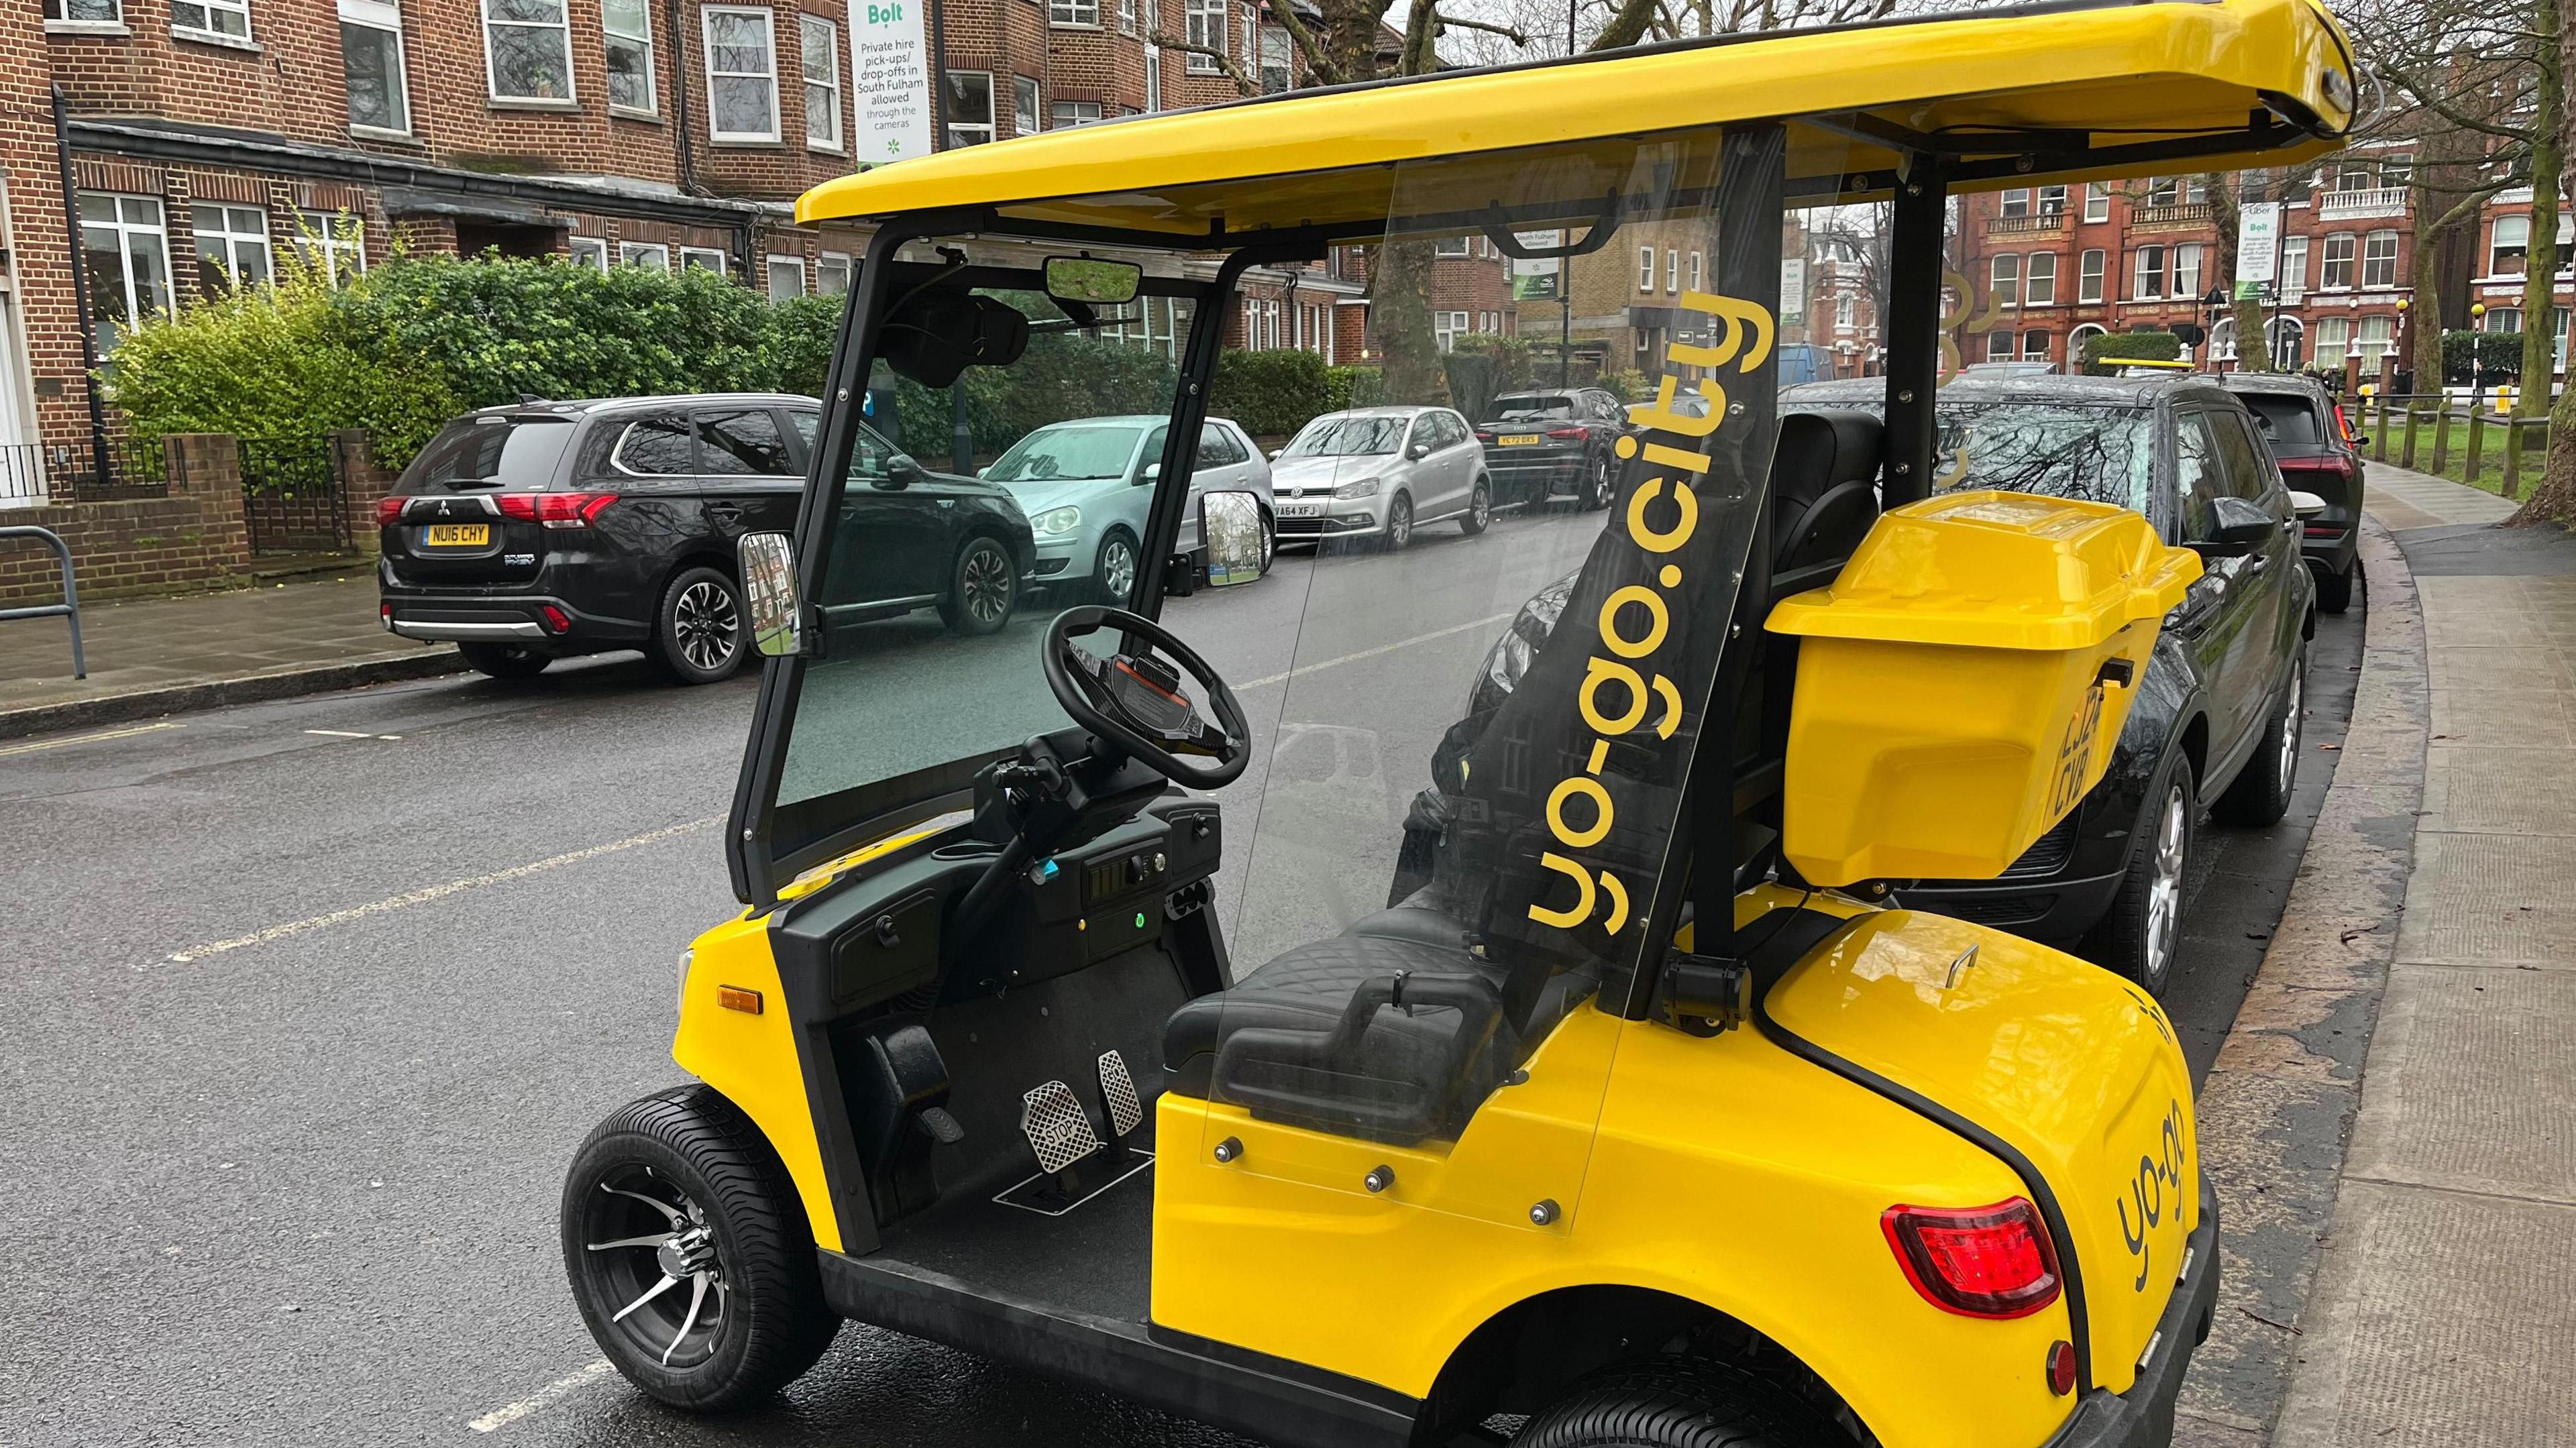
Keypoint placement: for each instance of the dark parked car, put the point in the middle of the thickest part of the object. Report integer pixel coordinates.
(1551, 444)
(534, 532)
(2310, 438)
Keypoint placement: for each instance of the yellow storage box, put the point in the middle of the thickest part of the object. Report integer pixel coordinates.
(1961, 685)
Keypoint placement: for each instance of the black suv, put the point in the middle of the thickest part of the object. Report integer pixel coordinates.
(538, 531)
(2309, 437)
(1552, 443)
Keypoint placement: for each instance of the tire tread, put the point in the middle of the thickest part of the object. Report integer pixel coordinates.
(1681, 1403)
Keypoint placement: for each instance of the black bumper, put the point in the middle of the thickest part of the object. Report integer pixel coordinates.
(2048, 907)
(2143, 1417)
(525, 620)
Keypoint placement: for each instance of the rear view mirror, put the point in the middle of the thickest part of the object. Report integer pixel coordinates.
(2306, 505)
(769, 591)
(1083, 279)
(1230, 524)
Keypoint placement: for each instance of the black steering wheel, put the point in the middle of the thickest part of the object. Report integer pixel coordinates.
(1135, 701)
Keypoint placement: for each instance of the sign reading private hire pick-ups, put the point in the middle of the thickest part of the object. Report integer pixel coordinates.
(891, 72)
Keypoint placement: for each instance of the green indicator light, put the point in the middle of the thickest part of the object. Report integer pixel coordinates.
(1140, 919)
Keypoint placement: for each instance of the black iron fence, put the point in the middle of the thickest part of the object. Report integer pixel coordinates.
(295, 496)
(128, 469)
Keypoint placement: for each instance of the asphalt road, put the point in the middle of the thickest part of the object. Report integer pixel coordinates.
(309, 1003)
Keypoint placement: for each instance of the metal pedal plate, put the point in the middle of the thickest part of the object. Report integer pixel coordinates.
(1126, 1113)
(1058, 1129)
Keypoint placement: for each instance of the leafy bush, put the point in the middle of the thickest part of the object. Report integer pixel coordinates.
(2103, 350)
(1060, 376)
(1474, 383)
(2499, 356)
(1347, 387)
(1513, 367)
(1272, 392)
(1628, 386)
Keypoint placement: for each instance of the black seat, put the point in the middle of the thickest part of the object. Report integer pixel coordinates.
(1824, 476)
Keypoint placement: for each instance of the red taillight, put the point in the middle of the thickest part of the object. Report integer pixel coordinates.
(556, 619)
(388, 509)
(2320, 530)
(1570, 434)
(2343, 426)
(555, 510)
(1983, 1262)
(1484, 436)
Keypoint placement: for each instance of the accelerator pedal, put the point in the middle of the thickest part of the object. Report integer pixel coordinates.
(1057, 1127)
(1118, 1088)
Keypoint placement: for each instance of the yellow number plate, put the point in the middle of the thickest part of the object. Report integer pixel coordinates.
(458, 535)
(1523, 439)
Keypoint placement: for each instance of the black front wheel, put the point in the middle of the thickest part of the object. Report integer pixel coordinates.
(689, 1253)
(698, 635)
(1480, 509)
(983, 588)
(1680, 1402)
(2142, 934)
(1596, 486)
(504, 661)
(1399, 521)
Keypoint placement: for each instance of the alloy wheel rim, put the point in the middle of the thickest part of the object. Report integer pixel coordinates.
(1118, 567)
(2164, 892)
(1482, 505)
(2290, 726)
(655, 1263)
(1399, 522)
(706, 624)
(987, 583)
(1600, 482)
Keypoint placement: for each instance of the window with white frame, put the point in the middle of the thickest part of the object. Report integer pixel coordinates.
(1645, 268)
(1247, 33)
(2147, 274)
(1447, 328)
(371, 61)
(1999, 346)
(2504, 320)
(1278, 71)
(2334, 336)
(2015, 202)
(2510, 245)
(1153, 74)
(786, 278)
(126, 246)
(1074, 12)
(2379, 333)
(742, 73)
(1450, 246)
(832, 274)
(1489, 321)
(1126, 17)
(2336, 275)
(84, 12)
(1672, 269)
(1695, 270)
(2186, 269)
(2034, 346)
(2097, 201)
(2163, 191)
(2052, 201)
(626, 29)
(2557, 329)
(2005, 280)
(1073, 113)
(333, 243)
(1846, 311)
(2039, 279)
(2294, 268)
(1206, 26)
(970, 108)
(527, 50)
(232, 246)
(1024, 106)
(650, 255)
(2088, 276)
(589, 251)
(210, 19)
(703, 258)
(2379, 259)
(822, 82)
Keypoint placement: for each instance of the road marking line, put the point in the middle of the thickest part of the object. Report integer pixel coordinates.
(504, 1417)
(439, 892)
(341, 733)
(1302, 670)
(89, 738)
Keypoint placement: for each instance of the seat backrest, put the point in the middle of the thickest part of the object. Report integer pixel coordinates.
(1824, 475)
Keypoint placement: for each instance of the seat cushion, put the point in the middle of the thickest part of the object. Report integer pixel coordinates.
(1307, 988)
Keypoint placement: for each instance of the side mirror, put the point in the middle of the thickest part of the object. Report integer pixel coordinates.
(1418, 451)
(1230, 529)
(902, 471)
(1153, 473)
(1277, 452)
(2306, 505)
(2238, 528)
(769, 591)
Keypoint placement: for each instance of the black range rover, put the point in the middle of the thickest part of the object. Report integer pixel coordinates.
(538, 531)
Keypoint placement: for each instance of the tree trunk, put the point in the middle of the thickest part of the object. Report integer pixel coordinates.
(2424, 306)
(2555, 499)
(1400, 314)
(2540, 262)
(2225, 218)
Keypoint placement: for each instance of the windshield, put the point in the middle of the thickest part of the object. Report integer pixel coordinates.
(2100, 454)
(1344, 437)
(1530, 409)
(1079, 451)
(2284, 421)
(518, 454)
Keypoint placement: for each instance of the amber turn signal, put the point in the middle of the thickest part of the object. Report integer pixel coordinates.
(735, 998)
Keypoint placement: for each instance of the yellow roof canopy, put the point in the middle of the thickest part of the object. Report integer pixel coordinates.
(2053, 92)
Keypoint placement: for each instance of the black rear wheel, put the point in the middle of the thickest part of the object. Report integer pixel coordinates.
(2334, 590)
(689, 1253)
(504, 661)
(983, 588)
(698, 632)
(1596, 486)
(2261, 793)
(1681, 1403)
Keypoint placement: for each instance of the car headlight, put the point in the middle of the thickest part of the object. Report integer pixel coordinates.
(1056, 521)
(1509, 660)
(1357, 488)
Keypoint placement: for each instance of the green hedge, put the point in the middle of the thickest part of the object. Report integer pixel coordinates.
(1272, 392)
(2104, 349)
(2499, 356)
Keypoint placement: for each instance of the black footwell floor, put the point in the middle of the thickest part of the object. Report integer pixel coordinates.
(1096, 1259)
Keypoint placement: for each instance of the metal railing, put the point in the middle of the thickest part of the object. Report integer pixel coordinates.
(69, 608)
(2351, 205)
(127, 470)
(22, 474)
(295, 496)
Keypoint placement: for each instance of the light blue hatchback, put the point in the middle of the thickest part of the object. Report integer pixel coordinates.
(1085, 485)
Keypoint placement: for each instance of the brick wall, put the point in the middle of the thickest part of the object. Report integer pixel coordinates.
(193, 538)
(364, 480)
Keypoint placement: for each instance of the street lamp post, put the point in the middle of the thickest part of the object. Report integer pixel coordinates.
(2477, 353)
(1565, 266)
(2214, 306)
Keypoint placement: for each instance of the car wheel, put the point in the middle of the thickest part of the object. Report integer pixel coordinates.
(698, 632)
(1596, 488)
(1269, 544)
(2142, 934)
(2334, 590)
(1680, 1403)
(1480, 509)
(1113, 569)
(2261, 793)
(689, 1253)
(1399, 521)
(504, 661)
(983, 588)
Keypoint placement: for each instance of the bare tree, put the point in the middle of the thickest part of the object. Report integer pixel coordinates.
(2554, 501)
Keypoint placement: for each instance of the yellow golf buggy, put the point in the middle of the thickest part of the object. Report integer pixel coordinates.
(1063, 1023)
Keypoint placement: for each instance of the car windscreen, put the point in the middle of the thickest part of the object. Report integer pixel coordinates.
(2095, 452)
(2284, 421)
(514, 454)
(1343, 437)
(1530, 408)
(1079, 451)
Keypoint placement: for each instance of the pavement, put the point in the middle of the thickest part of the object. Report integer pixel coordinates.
(150, 657)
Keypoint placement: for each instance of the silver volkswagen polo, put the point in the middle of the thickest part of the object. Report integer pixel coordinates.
(1380, 472)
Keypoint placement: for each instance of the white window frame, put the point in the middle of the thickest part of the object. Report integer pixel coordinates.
(1452, 246)
(230, 243)
(1203, 23)
(652, 71)
(1126, 17)
(321, 236)
(2350, 262)
(2293, 267)
(2188, 261)
(704, 258)
(1846, 311)
(775, 265)
(213, 30)
(1064, 115)
(825, 265)
(2044, 336)
(58, 17)
(1672, 269)
(2049, 201)
(2377, 336)
(824, 89)
(2334, 334)
(1697, 261)
(1027, 119)
(2090, 269)
(589, 251)
(650, 255)
(387, 19)
(2033, 274)
(2373, 257)
(561, 26)
(2140, 276)
(1447, 328)
(2002, 344)
(2014, 203)
(1074, 14)
(989, 128)
(2097, 201)
(1645, 269)
(2003, 279)
(707, 16)
(2496, 244)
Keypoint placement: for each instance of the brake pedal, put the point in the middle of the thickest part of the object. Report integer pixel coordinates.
(1057, 1127)
(943, 1128)
(1118, 1088)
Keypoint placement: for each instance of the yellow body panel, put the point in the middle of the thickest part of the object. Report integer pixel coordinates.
(752, 1059)
(2129, 73)
(1951, 703)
